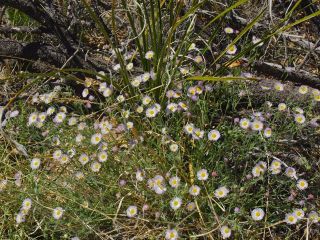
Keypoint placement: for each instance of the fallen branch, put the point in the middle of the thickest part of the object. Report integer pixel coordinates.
(22, 29)
(287, 73)
(32, 51)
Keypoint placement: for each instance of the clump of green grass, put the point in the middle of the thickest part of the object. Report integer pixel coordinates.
(153, 162)
(158, 149)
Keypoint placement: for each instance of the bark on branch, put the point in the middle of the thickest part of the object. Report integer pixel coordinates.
(289, 74)
(32, 51)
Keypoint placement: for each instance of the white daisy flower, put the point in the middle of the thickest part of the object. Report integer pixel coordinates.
(259, 169)
(174, 147)
(171, 234)
(85, 92)
(158, 180)
(303, 89)
(175, 203)
(299, 213)
(63, 109)
(59, 117)
(151, 112)
(225, 232)
(172, 107)
(282, 106)
(107, 92)
(189, 128)
(84, 159)
(316, 97)
(116, 67)
(146, 100)
(159, 189)
(72, 121)
(57, 154)
(197, 133)
(183, 106)
(139, 109)
(214, 135)
(132, 211)
(102, 156)
(257, 214)
(291, 172)
(228, 30)
(279, 86)
(32, 118)
(256, 125)
(300, 118)
(275, 165)
(191, 206)
(232, 50)
(267, 132)
(314, 217)
(256, 171)
(121, 98)
(199, 90)
(302, 184)
(290, 218)
(145, 77)
(244, 123)
(221, 192)
(202, 175)
(35, 163)
(194, 190)
(50, 111)
(95, 166)
(57, 213)
(136, 82)
(129, 67)
(125, 113)
(184, 71)
(96, 138)
(198, 59)
(102, 86)
(149, 55)
(174, 182)
(26, 204)
(64, 159)
(42, 117)
(192, 47)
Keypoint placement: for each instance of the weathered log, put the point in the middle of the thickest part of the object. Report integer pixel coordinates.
(289, 74)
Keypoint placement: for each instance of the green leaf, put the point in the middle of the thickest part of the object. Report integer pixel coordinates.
(240, 35)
